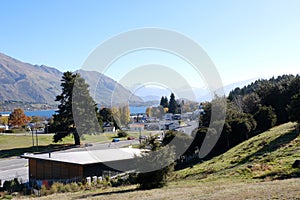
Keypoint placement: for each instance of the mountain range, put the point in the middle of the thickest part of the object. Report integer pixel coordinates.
(40, 84)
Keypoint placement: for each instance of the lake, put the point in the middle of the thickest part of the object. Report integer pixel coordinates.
(49, 113)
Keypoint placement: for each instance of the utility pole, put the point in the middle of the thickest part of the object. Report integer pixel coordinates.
(36, 136)
(32, 139)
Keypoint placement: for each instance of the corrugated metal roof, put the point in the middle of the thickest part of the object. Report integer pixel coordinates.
(88, 157)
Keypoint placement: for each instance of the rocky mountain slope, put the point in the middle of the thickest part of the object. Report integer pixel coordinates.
(40, 84)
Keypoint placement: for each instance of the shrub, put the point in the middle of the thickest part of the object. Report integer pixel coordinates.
(57, 188)
(74, 187)
(122, 134)
(68, 188)
(44, 191)
(12, 186)
(161, 161)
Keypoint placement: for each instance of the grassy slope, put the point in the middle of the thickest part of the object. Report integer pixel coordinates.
(269, 155)
(228, 176)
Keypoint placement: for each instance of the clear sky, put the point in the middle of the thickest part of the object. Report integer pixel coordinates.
(245, 39)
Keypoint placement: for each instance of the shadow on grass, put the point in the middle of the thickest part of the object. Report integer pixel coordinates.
(7, 153)
(107, 193)
(280, 175)
(272, 146)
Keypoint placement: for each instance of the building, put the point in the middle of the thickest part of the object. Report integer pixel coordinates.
(168, 116)
(108, 127)
(80, 164)
(136, 127)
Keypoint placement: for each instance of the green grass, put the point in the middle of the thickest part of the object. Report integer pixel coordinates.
(269, 155)
(17, 144)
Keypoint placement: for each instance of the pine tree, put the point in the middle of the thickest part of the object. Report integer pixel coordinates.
(76, 113)
(164, 102)
(173, 105)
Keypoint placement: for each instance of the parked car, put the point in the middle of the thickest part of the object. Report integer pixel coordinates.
(142, 137)
(131, 138)
(116, 140)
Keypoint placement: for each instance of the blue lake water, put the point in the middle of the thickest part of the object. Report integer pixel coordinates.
(49, 113)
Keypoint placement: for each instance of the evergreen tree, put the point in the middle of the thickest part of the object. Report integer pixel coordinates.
(76, 113)
(265, 118)
(164, 102)
(173, 105)
(294, 108)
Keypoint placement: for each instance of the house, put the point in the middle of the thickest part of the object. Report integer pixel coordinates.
(171, 126)
(4, 121)
(168, 116)
(136, 126)
(108, 127)
(80, 164)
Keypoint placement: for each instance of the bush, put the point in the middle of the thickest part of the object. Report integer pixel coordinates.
(68, 188)
(162, 162)
(12, 186)
(74, 187)
(44, 191)
(57, 188)
(122, 134)
(8, 131)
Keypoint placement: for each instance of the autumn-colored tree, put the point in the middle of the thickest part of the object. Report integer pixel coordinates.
(157, 112)
(148, 111)
(4, 120)
(18, 118)
(125, 114)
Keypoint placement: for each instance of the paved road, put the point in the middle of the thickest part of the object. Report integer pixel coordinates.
(188, 129)
(14, 168)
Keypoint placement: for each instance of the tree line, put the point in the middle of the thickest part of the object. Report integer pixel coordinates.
(251, 110)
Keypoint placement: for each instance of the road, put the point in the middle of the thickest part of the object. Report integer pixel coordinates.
(14, 168)
(18, 167)
(188, 129)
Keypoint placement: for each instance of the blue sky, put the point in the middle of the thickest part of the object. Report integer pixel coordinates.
(245, 39)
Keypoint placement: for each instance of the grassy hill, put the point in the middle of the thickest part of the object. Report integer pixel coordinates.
(247, 171)
(269, 155)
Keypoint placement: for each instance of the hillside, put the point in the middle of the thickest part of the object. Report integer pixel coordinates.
(244, 172)
(24, 82)
(104, 88)
(29, 83)
(269, 155)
